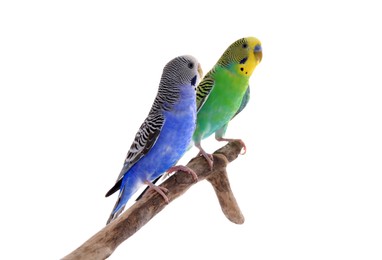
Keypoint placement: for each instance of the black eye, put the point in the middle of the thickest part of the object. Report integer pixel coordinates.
(190, 65)
(245, 45)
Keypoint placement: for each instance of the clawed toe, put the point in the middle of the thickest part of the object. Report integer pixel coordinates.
(183, 169)
(159, 189)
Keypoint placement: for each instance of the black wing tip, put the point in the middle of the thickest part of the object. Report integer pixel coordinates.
(115, 188)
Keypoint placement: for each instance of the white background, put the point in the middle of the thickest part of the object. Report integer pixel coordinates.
(77, 79)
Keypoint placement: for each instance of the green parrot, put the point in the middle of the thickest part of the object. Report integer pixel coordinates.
(224, 91)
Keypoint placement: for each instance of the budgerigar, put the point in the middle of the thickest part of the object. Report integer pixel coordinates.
(224, 91)
(165, 134)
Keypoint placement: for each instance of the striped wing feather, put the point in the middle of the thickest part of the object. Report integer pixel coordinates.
(204, 89)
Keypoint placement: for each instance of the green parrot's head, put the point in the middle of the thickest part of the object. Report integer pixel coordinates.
(242, 56)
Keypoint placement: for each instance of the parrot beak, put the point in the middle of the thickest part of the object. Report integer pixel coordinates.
(200, 71)
(258, 51)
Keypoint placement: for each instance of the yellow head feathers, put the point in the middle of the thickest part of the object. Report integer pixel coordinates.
(242, 56)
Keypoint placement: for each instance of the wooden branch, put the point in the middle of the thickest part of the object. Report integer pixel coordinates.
(103, 243)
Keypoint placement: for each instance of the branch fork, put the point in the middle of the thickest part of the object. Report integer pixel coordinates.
(102, 244)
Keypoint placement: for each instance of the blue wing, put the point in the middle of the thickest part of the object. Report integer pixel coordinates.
(145, 138)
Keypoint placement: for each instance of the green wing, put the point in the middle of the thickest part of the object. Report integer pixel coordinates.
(204, 89)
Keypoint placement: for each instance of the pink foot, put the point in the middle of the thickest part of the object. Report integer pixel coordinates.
(183, 169)
(232, 139)
(209, 158)
(160, 190)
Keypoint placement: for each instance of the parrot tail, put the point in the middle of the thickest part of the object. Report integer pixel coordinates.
(116, 210)
(127, 186)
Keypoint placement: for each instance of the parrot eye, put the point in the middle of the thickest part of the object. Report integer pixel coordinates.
(245, 45)
(190, 65)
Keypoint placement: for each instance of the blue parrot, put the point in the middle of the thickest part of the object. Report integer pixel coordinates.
(164, 136)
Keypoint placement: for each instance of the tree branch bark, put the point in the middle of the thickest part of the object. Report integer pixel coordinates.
(103, 243)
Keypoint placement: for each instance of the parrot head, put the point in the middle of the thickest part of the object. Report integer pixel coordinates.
(183, 70)
(179, 80)
(242, 56)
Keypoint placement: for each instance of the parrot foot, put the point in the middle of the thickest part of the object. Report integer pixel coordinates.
(232, 139)
(183, 169)
(160, 190)
(209, 158)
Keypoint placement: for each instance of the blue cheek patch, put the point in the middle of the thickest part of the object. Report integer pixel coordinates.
(193, 81)
(244, 60)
